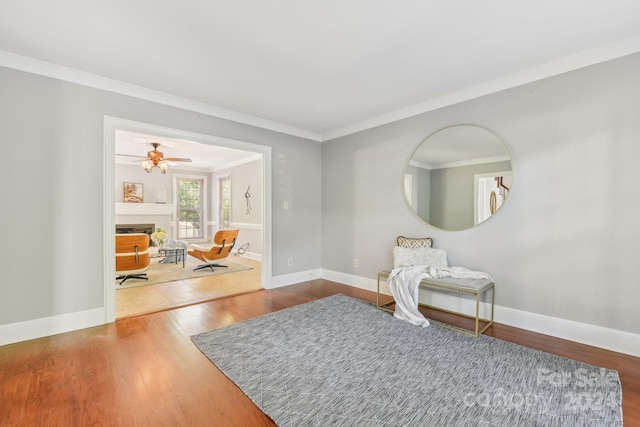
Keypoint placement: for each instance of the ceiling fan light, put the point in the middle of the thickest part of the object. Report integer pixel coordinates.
(147, 166)
(163, 166)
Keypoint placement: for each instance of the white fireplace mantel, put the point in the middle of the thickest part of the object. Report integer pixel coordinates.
(144, 209)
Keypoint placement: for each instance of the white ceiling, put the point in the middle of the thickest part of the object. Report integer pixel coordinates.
(317, 69)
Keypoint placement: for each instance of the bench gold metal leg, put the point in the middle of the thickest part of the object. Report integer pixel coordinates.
(475, 333)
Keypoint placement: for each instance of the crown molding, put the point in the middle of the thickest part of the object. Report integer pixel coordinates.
(71, 75)
(570, 63)
(237, 163)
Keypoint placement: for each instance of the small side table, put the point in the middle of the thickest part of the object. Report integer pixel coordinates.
(173, 251)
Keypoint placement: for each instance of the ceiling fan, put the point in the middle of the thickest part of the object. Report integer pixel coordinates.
(156, 159)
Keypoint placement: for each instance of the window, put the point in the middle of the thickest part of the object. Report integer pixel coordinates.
(191, 211)
(224, 201)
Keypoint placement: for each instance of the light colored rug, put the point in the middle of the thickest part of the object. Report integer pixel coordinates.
(339, 361)
(169, 272)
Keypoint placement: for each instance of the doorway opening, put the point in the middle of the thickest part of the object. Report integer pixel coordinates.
(490, 192)
(261, 225)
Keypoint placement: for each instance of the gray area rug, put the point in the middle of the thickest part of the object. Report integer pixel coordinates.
(339, 361)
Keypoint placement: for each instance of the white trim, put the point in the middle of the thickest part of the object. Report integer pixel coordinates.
(216, 202)
(46, 326)
(573, 62)
(205, 203)
(71, 75)
(293, 278)
(266, 220)
(472, 162)
(349, 279)
(550, 69)
(250, 255)
(144, 208)
(111, 124)
(109, 218)
(237, 163)
(594, 335)
(420, 165)
(246, 225)
(598, 336)
(476, 184)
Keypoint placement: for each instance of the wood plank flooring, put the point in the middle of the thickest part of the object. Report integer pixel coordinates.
(144, 370)
(179, 293)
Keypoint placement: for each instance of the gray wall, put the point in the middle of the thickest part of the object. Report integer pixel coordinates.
(565, 244)
(51, 136)
(243, 176)
(152, 183)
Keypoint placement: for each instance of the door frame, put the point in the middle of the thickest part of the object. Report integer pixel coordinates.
(476, 188)
(113, 124)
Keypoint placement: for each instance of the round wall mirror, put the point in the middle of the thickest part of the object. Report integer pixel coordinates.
(458, 177)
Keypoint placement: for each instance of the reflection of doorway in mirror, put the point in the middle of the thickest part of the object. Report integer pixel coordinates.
(408, 190)
(490, 192)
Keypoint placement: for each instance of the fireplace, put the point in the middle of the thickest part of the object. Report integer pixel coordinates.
(136, 228)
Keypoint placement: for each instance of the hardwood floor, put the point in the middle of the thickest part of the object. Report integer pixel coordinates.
(144, 370)
(180, 293)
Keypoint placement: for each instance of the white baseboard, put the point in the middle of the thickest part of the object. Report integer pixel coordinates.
(584, 333)
(597, 336)
(250, 255)
(38, 328)
(293, 278)
(351, 280)
(46, 326)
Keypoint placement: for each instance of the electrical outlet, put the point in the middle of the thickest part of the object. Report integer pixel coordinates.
(290, 262)
(355, 262)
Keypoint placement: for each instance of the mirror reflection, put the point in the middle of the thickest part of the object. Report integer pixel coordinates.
(458, 177)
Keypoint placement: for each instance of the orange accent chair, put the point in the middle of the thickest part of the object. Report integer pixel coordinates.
(132, 256)
(224, 241)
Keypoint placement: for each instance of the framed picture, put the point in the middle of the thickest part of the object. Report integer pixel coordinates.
(133, 193)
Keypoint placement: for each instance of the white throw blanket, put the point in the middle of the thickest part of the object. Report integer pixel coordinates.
(405, 281)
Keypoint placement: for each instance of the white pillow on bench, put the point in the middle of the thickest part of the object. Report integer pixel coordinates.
(409, 257)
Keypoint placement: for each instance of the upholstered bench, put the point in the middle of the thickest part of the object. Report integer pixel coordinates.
(473, 286)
